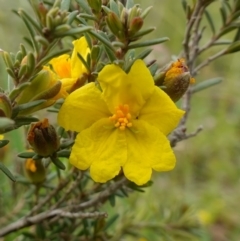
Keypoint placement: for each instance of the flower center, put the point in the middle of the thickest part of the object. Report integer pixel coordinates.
(122, 117)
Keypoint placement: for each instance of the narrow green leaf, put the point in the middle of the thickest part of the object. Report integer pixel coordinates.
(58, 163)
(25, 120)
(153, 69)
(210, 21)
(143, 32)
(87, 65)
(222, 42)
(74, 31)
(64, 153)
(4, 169)
(84, 5)
(32, 33)
(129, 4)
(114, 7)
(148, 43)
(26, 154)
(235, 47)
(111, 221)
(72, 16)
(112, 200)
(237, 36)
(184, 5)
(223, 14)
(143, 54)
(3, 143)
(65, 4)
(5, 123)
(29, 105)
(228, 29)
(23, 14)
(103, 38)
(206, 84)
(88, 16)
(145, 12)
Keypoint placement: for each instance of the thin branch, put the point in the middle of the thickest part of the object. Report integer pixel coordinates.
(209, 60)
(189, 29)
(28, 221)
(49, 197)
(179, 134)
(101, 198)
(72, 187)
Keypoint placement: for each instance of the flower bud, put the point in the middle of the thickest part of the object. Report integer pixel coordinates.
(34, 170)
(45, 86)
(177, 79)
(134, 26)
(43, 138)
(115, 25)
(5, 106)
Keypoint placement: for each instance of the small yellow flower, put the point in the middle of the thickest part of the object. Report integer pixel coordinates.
(70, 70)
(34, 170)
(124, 126)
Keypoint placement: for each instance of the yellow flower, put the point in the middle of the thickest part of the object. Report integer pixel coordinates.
(70, 70)
(124, 126)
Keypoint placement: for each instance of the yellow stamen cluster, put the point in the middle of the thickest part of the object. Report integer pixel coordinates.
(122, 117)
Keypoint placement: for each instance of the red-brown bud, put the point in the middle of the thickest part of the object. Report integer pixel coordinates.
(43, 138)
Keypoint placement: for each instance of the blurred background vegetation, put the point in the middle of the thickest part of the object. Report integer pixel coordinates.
(204, 186)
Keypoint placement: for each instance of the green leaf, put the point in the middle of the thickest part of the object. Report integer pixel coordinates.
(79, 30)
(58, 163)
(3, 143)
(103, 38)
(206, 84)
(28, 105)
(129, 4)
(64, 153)
(148, 43)
(111, 221)
(112, 200)
(5, 123)
(25, 120)
(143, 54)
(7, 172)
(26, 154)
(223, 14)
(72, 16)
(65, 5)
(143, 32)
(234, 47)
(87, 66)
(210, 21)
(84, 5)
(114, 7)
(222, 42)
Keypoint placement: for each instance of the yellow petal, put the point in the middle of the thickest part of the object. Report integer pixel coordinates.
(82, 108)
(147, 148)
(81, 47)
(62, 66)
(132, 89)
(161, 112)
(101, 148)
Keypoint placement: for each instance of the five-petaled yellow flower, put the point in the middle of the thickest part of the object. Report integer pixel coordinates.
(71, 70)
(123, 126)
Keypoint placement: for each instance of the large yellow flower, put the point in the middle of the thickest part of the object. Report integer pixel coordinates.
(71, 70)
(124, 126)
